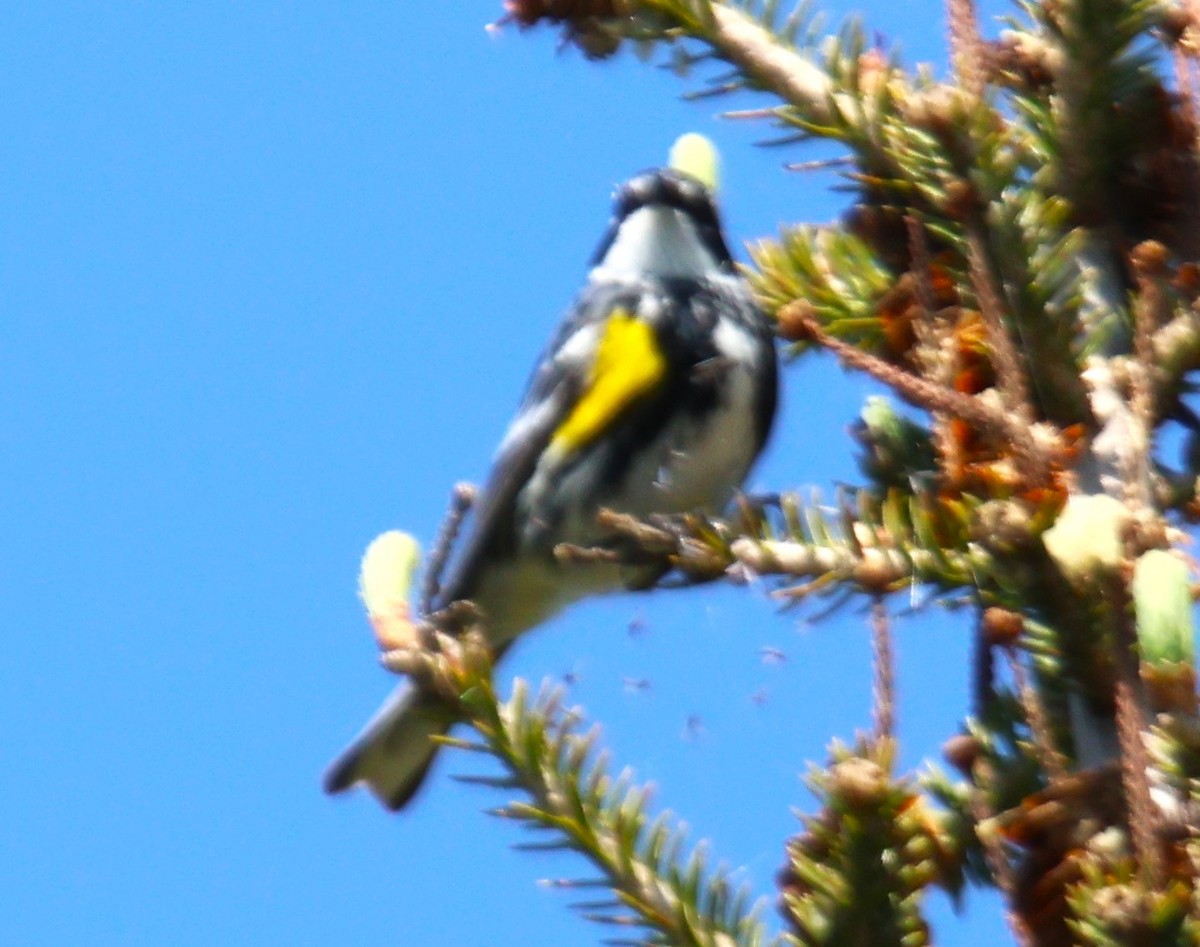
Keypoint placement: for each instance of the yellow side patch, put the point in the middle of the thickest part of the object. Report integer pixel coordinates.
(628, 364)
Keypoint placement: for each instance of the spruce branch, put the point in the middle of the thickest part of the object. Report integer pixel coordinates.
(879, 545)
(993, 848)
(1104, 58)
(937, 355)
(836, 274)
(1052, 760)
(885, 676)
(1145, 818)
(858, 871)
(1010, 373)
(769, 63)
(553, 758)
(1148, 261)
(764, 56)
(839, 90)
(1021, 263)
(966, 46)
(1039, 447)
(1177, 350)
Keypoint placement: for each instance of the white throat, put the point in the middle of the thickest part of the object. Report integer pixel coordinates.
(657, 240)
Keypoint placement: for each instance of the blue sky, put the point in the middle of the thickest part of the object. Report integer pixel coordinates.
(273, 277)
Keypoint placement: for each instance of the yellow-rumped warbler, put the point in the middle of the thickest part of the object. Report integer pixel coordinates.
(655, 396)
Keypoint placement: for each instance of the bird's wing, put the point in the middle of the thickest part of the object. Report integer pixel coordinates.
(599, 365)
(491, 525)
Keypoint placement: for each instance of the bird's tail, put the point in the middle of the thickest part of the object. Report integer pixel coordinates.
(393, 753)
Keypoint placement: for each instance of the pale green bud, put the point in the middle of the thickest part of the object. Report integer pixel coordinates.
(384, 583)
(695, 155)
(1086, 539)
(1162, 598)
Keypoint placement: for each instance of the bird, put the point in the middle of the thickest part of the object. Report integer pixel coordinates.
(656, 395)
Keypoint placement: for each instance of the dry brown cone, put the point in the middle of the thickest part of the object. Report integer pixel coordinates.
(1052, 829)
(530, 12)
(882, 226)
(1156, 191)
(902, 306)
(591, 25)
(1056, 830)
(973, 463)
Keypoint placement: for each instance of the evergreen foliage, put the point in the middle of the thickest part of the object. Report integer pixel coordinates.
(1020, 264)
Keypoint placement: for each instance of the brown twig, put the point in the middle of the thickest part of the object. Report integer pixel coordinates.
(983, 776)
(924, 394)
(1037, 457)
(918, 250)
(966, 47)
(756, 53)
(461, 498)
(1010, 376)
(1150, 312)
(984, 666)
(937, 354)
(1145, 818)
(1049, 757)
(731, 32)
(885, 678)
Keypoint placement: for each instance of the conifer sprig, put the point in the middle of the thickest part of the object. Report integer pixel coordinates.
(1021, 265)
(660, 890)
